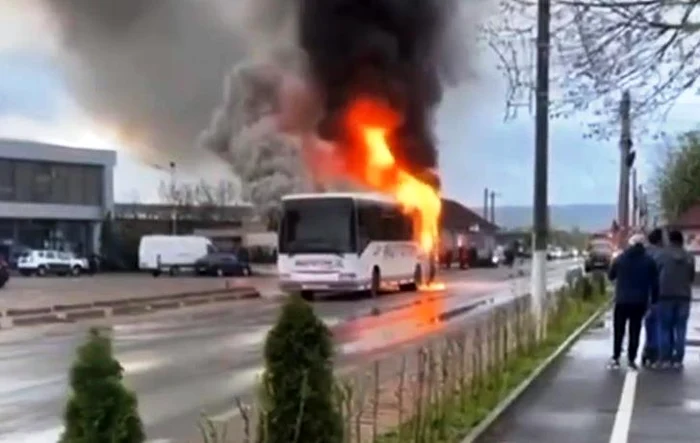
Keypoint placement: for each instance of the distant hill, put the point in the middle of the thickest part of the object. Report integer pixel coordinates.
(587, 217)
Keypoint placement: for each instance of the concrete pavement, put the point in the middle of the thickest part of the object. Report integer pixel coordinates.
(580, 400)
(182, 364)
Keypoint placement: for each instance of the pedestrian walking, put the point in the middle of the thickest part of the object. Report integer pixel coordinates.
(650, 354)
(676, 275)
(636, 288)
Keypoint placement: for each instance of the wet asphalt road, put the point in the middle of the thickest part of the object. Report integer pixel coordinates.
(182, 364)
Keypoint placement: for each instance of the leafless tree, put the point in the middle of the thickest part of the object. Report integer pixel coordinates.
(206, 199)
(180, 194)
(598, 49)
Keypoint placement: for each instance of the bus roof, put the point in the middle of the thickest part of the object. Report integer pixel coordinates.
(367, 196)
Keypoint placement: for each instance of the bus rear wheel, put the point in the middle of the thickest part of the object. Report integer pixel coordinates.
(417, 280)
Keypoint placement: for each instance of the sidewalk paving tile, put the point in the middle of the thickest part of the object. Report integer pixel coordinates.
(573, 402)
(578, 398)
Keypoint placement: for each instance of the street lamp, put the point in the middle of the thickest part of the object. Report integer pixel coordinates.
(173, 197)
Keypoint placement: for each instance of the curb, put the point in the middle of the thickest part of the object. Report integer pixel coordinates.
(70, 313)
(480, 429)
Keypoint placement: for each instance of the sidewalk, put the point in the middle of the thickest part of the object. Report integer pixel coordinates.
(579, 400)
(23, 293)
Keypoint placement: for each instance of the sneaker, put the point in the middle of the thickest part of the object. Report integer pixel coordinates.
(614, 363)
(631, 364)
(677, 365)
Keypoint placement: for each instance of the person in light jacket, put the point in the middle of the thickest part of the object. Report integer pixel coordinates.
(676, 276)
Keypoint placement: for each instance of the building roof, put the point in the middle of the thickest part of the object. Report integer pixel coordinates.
(31, 150)
(372, 196)
(138, 211)
(458, 217)
(689, 219)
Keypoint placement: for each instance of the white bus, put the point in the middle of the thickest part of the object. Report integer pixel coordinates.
(346, 242)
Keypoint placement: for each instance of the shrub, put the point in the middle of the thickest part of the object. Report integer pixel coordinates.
(298, 383)
(100, 408)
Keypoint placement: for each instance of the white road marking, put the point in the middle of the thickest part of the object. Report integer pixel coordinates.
(623, 417)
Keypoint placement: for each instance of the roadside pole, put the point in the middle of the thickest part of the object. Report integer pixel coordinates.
(626, 162)
(540, 204)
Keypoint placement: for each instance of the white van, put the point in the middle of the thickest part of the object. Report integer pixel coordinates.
(172, 253)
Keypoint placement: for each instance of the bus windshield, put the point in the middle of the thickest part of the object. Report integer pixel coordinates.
(318, 226)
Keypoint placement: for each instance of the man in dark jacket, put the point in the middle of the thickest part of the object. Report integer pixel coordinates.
(676, 275)
(636, 287)
(650, 354)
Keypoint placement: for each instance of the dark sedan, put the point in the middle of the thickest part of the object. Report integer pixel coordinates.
(222, 264)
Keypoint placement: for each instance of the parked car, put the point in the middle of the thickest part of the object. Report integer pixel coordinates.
(222, 264)
(4, 272)
(46, 261)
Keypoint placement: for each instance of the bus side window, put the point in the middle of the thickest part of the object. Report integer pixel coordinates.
(367, 225)
(407, 231)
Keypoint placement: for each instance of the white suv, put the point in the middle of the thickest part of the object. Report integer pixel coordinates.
(47, 261)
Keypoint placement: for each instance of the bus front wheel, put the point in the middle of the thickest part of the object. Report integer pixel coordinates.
(375, 283)
(417, 280)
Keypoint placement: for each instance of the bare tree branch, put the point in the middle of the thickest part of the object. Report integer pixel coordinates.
(598, 49)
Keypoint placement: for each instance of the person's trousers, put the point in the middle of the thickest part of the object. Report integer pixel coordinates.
(651, 329)
(625, 314)
(673, 326)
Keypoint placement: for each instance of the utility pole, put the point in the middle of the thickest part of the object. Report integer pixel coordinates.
(486, 204)
(626, 162)
(173, 190)
(493, 207)
(643, 207)
(540, 223)
(635, 199)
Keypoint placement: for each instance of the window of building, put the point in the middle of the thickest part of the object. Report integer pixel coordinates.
(24, 180)
(7, 180)
(41, 183)
(92, 176)
(60, 175)
(76, 190)
(48, 182)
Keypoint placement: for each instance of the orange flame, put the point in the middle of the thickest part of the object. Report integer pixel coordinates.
(374, 165)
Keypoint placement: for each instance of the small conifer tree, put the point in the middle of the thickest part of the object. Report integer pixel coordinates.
(298, 382)
(100, 408)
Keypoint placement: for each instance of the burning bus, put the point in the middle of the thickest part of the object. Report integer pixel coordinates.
(348, 242)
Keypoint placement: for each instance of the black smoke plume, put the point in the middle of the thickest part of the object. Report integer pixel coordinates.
(399, 51)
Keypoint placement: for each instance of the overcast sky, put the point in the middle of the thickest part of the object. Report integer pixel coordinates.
(477, 148)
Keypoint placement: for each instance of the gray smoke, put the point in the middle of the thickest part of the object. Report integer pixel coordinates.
(244, 133)
(154, 69)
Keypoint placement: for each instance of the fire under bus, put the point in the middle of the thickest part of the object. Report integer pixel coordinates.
(347, 242)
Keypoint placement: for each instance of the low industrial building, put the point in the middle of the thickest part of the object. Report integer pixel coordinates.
(53, 196)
